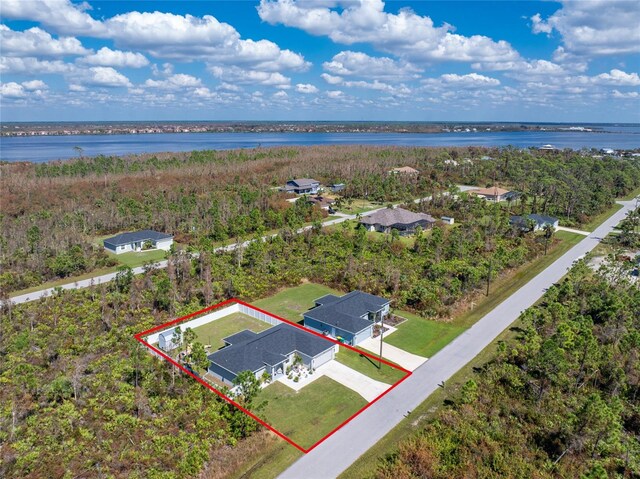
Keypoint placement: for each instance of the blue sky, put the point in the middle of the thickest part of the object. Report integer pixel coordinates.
(571, 61)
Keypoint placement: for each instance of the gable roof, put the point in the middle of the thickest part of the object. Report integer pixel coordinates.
(133, 237)
(395, 216)
(244, 335)
(542, 219)
(302, 182)
(271, 347)
(404, 169)
(345, 312)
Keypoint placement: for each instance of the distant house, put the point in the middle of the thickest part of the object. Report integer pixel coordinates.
(547, 148)
(136, 241)
(165, 340)
(534, 222)
(302, 186)
(321, 201)
(337, 187)
(397, 218)
(269, 351)
(403, 170)
(349, 318)
(448, 220)
(493, 193)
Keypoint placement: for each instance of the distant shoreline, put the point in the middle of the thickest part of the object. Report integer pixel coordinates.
(160, 127)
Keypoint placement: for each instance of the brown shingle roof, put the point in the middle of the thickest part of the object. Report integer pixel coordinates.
(405, 169)
(491, 191)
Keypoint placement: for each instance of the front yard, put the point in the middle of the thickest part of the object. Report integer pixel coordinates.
(310, 414)
(369, 366)
(422, 336)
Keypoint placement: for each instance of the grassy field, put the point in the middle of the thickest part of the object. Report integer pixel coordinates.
(134, 259)
(310, 414)
(290, 303)
(422, 336)
(358, 206)
(369, 366)
(213, 332)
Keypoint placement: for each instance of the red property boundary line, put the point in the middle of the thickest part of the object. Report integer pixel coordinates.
(139, 338)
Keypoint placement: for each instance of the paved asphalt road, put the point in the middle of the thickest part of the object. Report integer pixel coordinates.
(339, 451)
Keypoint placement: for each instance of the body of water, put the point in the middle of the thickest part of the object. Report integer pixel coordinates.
(46, 148)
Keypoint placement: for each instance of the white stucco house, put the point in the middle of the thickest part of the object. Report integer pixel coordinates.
(135, 241)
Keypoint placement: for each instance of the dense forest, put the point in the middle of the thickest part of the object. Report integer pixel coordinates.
(563, 400)
(52, 214)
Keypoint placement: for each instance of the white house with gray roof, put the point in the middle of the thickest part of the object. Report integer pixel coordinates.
(349, 318)
(302, 186)
(270, 351)
(136, 241)
(404, 221)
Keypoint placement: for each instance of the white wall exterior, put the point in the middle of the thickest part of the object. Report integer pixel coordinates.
(164, 244)
(362, 335)
(323, 358)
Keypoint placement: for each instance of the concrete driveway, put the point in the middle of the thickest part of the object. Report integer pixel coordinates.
(365, 386)
(392, 353)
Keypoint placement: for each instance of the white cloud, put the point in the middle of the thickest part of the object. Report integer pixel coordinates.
(37, 42)
(61, 15)
(331, 79)
(34, 85)
(175, 82)
(229, 87)
(33, 65)
(594, 27)
(335, 93)
(12, 90)
(101, 77)
(116, 58)
(349, 63)
(405, 34)
(470, 80)
(77, 88)
(617, 77)
(280, 95)
(630, 94)
(240, 76)
(306, 88)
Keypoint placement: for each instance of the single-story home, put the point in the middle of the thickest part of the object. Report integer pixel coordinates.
(397, 218)
(337, 187)
(302, 186)
(269, 351)
(136, 241)
(322, 202)
(448, 220)
(494, 193)
(404, 170)
(534, 221)
(349, 318)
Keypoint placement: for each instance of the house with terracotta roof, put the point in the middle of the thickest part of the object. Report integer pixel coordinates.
(494, 193)
(388, 219)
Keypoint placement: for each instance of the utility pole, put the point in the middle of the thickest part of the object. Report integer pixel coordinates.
(381, 336)
(489, 275)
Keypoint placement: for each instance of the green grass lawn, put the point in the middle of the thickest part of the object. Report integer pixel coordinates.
(369, 366)
(358, 206)
(134, 259)
(213, 332)
(599, 219)
(290, 303)
(308, 415)
(422, 336)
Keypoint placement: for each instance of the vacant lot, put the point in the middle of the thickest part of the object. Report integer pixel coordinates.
(290, 303)
(213, 332)
(310, 414)
(422, 336)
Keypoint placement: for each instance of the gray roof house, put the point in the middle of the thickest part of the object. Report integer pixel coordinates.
(349, 318)
(397, 218)
(269, 351)
(534, 221)
(135, 241)
(302, 186)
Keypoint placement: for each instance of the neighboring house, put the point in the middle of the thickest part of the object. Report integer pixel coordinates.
(269, 351)
(165, 340)
(136, 241)
(337, 187)
(302, 186)
(397, 218)
(322, 202)
(404, 170)
(534, 221)
(494, 193)
(448, 220)
(349, 318)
